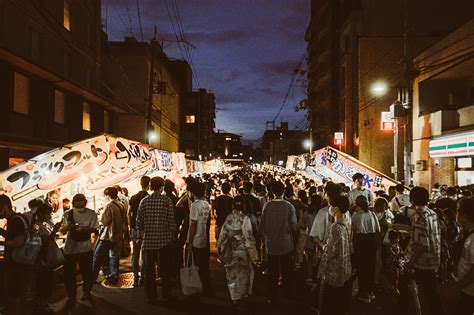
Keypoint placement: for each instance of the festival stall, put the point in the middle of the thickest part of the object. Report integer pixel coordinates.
(90, 165)
(329, 163)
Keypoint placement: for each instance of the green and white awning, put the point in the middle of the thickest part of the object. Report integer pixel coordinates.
(459, 144)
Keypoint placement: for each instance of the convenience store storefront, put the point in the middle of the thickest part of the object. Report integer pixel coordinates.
(459, 146)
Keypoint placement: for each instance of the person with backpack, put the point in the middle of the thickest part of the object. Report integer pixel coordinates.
(79, 223)
(400, 200)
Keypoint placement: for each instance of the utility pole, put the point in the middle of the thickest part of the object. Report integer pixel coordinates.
(151, 82)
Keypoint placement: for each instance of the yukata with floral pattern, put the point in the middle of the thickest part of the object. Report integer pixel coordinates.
(236, 239)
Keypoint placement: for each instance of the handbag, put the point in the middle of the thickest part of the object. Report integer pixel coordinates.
(27, 254)
(190, 280)
(54, 257)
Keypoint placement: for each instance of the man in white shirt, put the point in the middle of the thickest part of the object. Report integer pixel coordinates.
(198, 236)
(400, 200)
(360, 190)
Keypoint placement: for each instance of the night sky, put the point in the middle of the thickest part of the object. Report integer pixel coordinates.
(245, 52)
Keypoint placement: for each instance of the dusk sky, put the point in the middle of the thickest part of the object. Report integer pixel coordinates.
(245, 52)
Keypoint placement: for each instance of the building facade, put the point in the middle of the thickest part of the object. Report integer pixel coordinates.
(197, 122)
(50, 80)
(279, 143)
(443, 110)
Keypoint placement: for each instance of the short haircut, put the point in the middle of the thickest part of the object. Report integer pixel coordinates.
(5, 201)
(145, 182)
(34, 203)
(169, 186)
(239, 203)
(466, 208)
(333, 190)
(156, 183)
(341, 202)
(79, 198)
(357, 176)
(278, 188)
(289, 191)
(361, 201)
(419, 196)
(452, 191)
(400, 188)
(248, 186)
(44, 209)
(198, 189)
(112, 192)
(225, 187)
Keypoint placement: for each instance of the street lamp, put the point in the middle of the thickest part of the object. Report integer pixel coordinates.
(308, 144)
(379, 88)
(152, 135)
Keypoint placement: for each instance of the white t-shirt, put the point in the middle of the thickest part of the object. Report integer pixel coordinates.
(200, 210)
(467, 262)
(403, 200)
(354, 193)
(85, 218)
(321, 224)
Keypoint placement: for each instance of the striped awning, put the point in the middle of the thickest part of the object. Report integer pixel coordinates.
(459, 144)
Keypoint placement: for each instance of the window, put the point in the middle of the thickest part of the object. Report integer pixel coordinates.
(67, 15)
(21, 94)
(190, 119)
(86, 116)
(106, 121)
(59, 107)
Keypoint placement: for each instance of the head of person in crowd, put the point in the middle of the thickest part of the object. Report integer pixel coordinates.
(43, 213)
(238, 204)
(379, 193)
(399, 189)
(198, 190)
(380, 205)
(466, 193)
(465, 213)
(362, 204)
(343, 187)
(119, 189)
(339, 206)
(278, 189)
(169, 187)
(316, 203)
(331, 191)
(125, 191)
(419, 196)
(53, 199)
(111, 193)
(303, 196)
(225, 188)
(66, 204)
(289, 192)
(448, 215)
(394, 237)
(358, 180)
(189, 181)
(392, 191)
(313, 190)
(33, 204)
(443, 191)
(145, 183)
(248, 187)
(79, 201)
(452, 192)
(157, 184)
(6, 209)
(260, 190)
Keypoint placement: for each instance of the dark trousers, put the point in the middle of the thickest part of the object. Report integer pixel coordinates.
(103, 249)
(280, 264)
(137, 250)
(365, 251)
(201, 260)
(466, 305)
(429, 297)
(166, 263)
(335, 300)
(44, 283)
(85, 266)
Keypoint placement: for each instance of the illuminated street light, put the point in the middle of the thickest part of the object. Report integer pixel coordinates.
(308, 144)
(379, 88)
(152, 135)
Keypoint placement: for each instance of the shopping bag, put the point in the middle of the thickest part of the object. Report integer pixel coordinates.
(190, 280)
(54, 257)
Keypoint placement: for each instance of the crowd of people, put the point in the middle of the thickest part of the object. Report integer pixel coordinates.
(346, 241)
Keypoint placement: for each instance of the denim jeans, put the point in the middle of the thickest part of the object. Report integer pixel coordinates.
(103, 249)
(137, 250)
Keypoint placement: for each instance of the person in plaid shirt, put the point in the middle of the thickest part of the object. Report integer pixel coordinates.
(156, 226)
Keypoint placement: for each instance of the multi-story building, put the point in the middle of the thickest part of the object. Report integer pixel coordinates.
(197, 123)
(50, 82)
(228, 146)
(353, 45)
(135, 61)
(443, 110)
(279, 143)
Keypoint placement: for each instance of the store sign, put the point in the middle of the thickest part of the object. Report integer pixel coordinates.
(387, 122)
(460, 144)
(338, 138)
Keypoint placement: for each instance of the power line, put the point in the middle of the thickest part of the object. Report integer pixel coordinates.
(129, 17)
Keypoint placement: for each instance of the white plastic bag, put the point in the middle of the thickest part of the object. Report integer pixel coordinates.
(190, 280)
